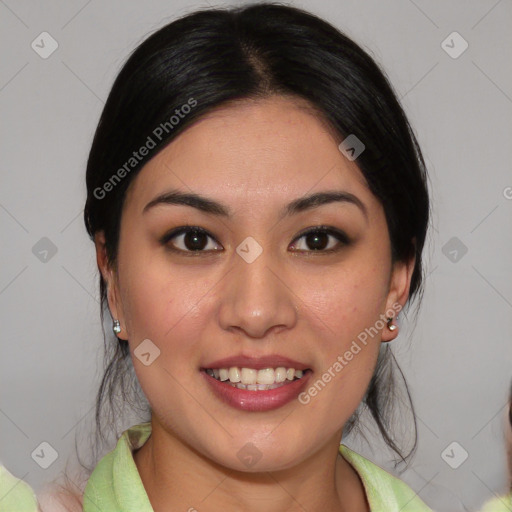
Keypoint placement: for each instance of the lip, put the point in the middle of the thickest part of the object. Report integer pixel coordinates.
(256, 401)
(257, 363)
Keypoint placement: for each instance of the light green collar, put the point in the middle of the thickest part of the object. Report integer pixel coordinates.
(115, 484)
(384, 491)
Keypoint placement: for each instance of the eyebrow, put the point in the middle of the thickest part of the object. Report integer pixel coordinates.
(210, 206)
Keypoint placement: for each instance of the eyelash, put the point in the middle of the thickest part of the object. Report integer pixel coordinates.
(342, 238)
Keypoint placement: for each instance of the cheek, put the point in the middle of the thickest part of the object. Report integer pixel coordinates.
(345, 316)
(346, 303)
(165, 307)
(170, 311)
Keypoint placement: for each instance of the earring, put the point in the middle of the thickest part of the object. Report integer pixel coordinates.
(116, 327)
(391, 326)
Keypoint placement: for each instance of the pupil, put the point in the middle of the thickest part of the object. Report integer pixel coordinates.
(317, 242)
(193, 240)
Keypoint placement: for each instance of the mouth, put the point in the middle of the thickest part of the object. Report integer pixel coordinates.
(256, 384)
(252, 379)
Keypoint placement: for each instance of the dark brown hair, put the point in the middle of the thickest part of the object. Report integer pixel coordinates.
(217, 56)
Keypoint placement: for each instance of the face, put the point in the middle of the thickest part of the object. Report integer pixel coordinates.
(260, 284)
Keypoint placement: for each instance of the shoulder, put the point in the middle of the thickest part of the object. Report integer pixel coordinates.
(57, 499)
(499, 504)
(65, 493)
(384, 491)
(15, 494)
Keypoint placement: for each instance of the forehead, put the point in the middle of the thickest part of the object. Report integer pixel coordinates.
(257, 152)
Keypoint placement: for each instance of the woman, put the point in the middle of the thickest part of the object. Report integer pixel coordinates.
(259, 207)
(245, 257)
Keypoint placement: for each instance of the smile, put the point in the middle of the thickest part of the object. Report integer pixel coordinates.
(255, 380)
(256, 390)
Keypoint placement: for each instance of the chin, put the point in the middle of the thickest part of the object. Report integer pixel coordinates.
(256, 457)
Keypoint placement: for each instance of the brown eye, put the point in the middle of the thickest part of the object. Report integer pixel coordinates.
(189, 239)
(322, 239)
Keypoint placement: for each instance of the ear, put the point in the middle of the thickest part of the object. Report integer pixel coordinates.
(110, 277)
(400, 283)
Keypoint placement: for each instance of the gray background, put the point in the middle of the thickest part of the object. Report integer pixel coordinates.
(457, 360)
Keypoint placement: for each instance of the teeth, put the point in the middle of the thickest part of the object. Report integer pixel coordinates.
(280, 374)
(266, 376)
(249, 378)
(256, 387)
(234, 374)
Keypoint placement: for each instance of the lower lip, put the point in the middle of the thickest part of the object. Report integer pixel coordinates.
(266, 400)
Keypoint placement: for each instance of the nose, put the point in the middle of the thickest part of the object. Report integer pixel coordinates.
(256, 298)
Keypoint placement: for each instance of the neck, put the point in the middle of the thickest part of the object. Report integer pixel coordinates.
(176, 477)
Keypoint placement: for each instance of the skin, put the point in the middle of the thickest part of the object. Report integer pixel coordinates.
(254, 157)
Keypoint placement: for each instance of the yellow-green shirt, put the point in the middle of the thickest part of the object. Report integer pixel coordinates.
(115, 484)
(499, 504)
(15, 494)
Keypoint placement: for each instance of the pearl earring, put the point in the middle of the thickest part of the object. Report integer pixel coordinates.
(391, 326)
(116, 327)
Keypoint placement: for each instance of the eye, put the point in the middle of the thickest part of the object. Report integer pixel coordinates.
(193, 239)
(317, 239)
(189, 239)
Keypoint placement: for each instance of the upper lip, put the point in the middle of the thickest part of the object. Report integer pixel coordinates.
(258, 363)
